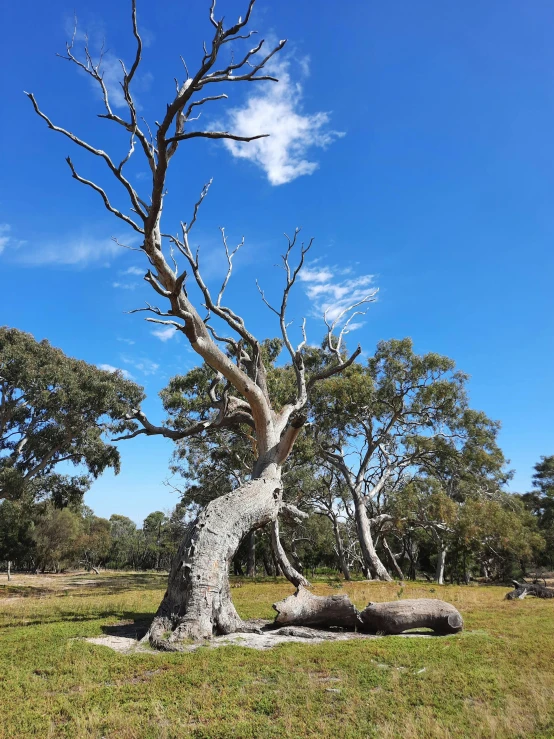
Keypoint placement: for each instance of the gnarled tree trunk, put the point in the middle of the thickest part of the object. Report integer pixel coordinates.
(197, 603)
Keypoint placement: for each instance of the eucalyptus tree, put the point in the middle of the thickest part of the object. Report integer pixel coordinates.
(198, 602)
(55, 409)
(541, 502)
(400, 413)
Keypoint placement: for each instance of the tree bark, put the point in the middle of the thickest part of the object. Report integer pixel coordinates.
(9, 570)
(268, 564)
(251, 562)
(340, 551)
(305, 609)
(398, 616)
(392, 559)
(441, 561)
(197, 603)
(369, 554)
(287, 569)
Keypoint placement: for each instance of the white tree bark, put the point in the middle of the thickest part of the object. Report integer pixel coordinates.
(369, 553)
(441, 562)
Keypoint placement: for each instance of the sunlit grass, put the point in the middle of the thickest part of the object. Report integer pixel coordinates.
(496, 679)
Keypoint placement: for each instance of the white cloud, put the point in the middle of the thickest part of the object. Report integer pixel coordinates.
(72, 251)
(146, 366)
(5, 229)
(110, 368)
(133, 271)
(6, 239)
(332, 296)
(164, 334)
(125, 285)
(278, 111)
(126, 341)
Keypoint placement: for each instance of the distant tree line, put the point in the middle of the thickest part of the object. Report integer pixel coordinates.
(396, 476)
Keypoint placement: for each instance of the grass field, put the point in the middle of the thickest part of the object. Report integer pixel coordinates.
(496, 679)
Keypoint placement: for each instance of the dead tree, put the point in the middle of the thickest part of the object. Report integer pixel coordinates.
(394, 617)
(197, 603)
(523, 589)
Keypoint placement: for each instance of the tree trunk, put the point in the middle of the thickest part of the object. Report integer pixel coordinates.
(369, 554)
(441, 561)
(237, 569)
(9, 570)
(268, 564)
(197, 603)
(392, 559)
(251, 562)
(340, 551)
(288, 570)
(305, 609)
(401, 615)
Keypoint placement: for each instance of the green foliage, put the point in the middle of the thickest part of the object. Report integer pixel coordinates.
(56, 409)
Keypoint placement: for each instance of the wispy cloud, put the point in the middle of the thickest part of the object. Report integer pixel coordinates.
(146, 366)
(164, 334)
(331, 296)
(125, 285)
(110, 368)
(133, 271)
(6, 239)
(68, 250)
(126, 341)
(278, 111)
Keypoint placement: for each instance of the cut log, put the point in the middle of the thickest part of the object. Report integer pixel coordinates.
(304, 609)
(398, 616)
(315, 611)
(523, 589)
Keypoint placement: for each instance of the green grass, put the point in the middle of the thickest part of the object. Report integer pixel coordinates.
(496, 679)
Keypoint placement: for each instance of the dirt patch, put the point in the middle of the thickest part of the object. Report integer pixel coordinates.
(267, 638)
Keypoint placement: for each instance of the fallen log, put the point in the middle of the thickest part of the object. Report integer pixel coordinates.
(305, 609)
(401, 615)
(523, 589)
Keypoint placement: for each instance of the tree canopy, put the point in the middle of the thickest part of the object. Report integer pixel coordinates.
(56, 409)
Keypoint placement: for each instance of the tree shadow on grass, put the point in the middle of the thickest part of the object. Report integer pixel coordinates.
(131, 628)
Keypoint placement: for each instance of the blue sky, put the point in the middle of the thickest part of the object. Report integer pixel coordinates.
(413, 140)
